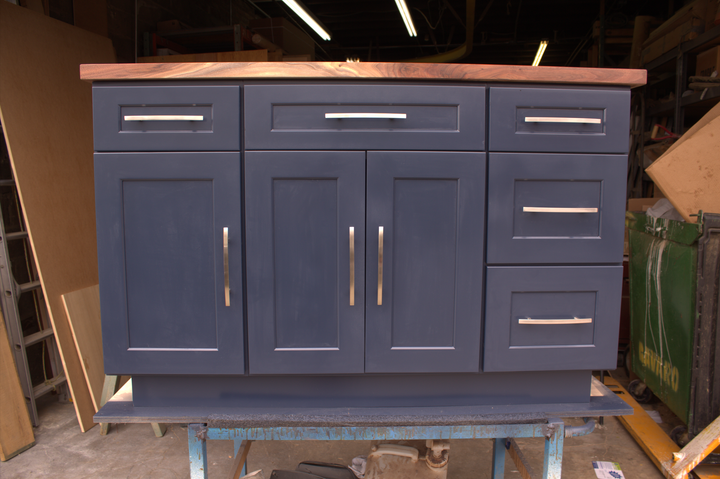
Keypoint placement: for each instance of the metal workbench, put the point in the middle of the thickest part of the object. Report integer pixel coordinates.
(502, 423)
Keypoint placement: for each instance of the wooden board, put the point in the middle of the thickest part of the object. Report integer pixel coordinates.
(16, 434)
(707, 118)
(83, 312)
(689, 174)
(46, 113)
(344, 70)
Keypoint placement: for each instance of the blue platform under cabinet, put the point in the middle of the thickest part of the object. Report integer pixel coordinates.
(438, 240)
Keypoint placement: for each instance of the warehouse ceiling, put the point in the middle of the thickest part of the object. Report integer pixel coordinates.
(505, 31)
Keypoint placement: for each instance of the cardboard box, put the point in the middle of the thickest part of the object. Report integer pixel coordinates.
(688, 173)
(641, 204)
(707, 62)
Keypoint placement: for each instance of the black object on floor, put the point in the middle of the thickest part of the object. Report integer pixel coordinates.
(326, 470)
(279, 474)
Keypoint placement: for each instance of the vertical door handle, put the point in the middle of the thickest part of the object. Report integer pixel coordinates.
(352, 266)
(380, 264)
(226, 264)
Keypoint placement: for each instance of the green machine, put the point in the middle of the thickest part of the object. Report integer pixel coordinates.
(674, 310)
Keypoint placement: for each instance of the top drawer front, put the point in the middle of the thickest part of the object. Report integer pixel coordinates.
(167, 118)
(391, 117)
(559, 120)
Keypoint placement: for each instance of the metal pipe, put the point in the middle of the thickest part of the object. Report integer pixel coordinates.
(584, 430)
(463, 50)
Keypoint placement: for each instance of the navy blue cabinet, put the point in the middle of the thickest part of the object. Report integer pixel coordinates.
(305, 232)
(425, 224)
(170, 262)
(315, 305)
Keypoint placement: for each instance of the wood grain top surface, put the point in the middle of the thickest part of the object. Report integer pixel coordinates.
(374, 71)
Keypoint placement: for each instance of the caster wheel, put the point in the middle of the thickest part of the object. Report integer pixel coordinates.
(640, 392)
(680, 436)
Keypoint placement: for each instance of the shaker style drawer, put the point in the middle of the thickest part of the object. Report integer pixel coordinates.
(167, 118)
(561, 208)
(388, 117)
(561, 120)
(552, 318)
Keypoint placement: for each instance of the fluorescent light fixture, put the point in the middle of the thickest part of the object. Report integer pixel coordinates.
(302, 13)
(539, 54)
(406, 17)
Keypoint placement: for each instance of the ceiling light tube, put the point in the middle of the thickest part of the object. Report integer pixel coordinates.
(402, 6)
(539, 54)
(307, 18)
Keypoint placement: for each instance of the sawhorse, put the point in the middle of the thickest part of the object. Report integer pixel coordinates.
(553, 432)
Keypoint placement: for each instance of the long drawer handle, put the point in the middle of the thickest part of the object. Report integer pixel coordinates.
(373, 116)
(380, 265)
(559, 119)
(226, 266)
(163, 117)
(352, 266)
(555, 321)
(543, 209)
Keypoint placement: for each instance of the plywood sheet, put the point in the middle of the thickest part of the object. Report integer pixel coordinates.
(46, 114)
(16, 432)
(83, 312)
(689, 174)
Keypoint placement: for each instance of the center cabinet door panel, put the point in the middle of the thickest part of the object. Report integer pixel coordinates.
(430, 206)
(300, 208)
(163, 272)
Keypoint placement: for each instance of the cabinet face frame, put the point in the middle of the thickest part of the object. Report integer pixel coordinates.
(160, 221)
(300, 206)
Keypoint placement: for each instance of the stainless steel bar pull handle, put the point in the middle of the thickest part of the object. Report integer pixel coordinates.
(372, 116)
(543, 209)
(226, 264)
(558, 119)
(352, 266)
(163, 118)
(380, 264)
(575, 320)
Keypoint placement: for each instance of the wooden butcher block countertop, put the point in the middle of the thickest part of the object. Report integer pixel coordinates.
(356, 71)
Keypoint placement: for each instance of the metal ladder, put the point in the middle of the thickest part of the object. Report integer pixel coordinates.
(11, 292)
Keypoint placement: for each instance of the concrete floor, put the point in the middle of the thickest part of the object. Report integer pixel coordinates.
(132, 451)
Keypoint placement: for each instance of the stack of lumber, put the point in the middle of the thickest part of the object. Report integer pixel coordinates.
(686, 24)
(46, 112)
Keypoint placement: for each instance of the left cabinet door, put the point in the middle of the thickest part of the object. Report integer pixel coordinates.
(305, 230)
(170, 262)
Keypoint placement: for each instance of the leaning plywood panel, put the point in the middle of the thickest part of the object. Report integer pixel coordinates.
(46, 115)
(689, 175)
(83, 312)
(16, 432)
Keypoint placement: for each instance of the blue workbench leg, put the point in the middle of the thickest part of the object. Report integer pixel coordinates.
(498, 464)
(552, 467)
(197, 448)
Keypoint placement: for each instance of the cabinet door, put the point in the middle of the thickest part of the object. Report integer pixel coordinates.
(424, 297)
(161, 222)
(305, 273)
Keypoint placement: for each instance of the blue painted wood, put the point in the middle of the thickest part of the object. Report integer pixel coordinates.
(300, 206)
(509, 131)
(219, 105)
(160, 220)
(517, 180)
(293, 117)
(552, 459)
(381, 433)
(552, 292)
(197, 450)
(498, 463)
(431, 208)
